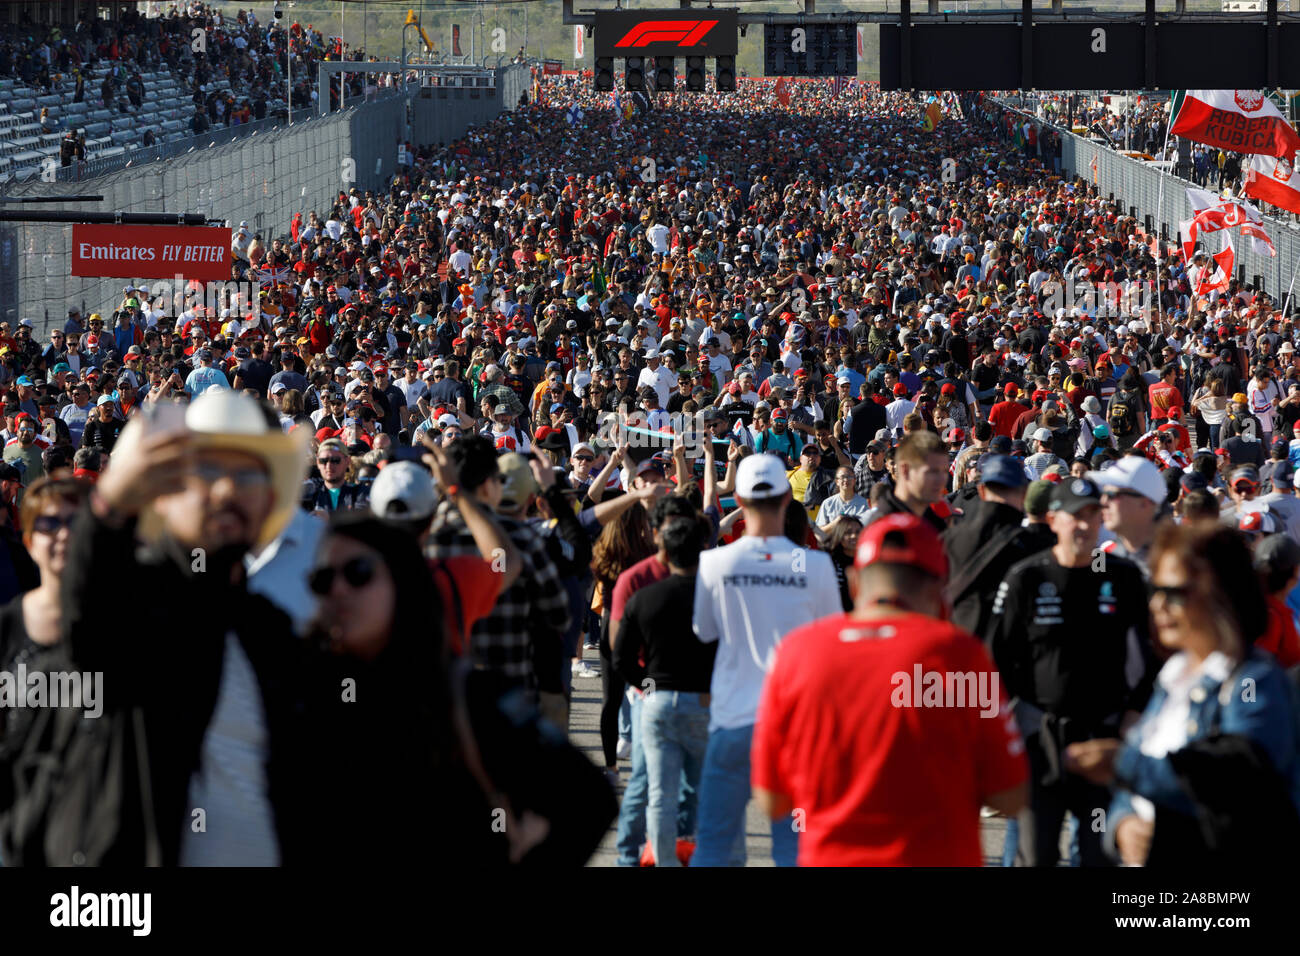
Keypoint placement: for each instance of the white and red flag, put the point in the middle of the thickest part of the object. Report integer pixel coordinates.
(1218, 276)
(1210, 213)
(1274, 179)
(1244, 121)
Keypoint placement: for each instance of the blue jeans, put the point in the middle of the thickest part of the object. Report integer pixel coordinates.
(1012, 843)
(674, 736)
(631, 815)
(625, 719)
(724, 793)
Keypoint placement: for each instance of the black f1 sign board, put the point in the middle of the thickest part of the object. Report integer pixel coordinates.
(794, 49)
(707, 33)
(1077, 56)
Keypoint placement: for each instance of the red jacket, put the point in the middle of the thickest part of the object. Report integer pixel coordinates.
(1280, 638)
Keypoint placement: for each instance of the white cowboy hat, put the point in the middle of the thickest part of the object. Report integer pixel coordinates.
(223, 418)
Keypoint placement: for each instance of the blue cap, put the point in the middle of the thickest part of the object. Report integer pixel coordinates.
(558, 407)
(1002, 470)
(1000, 445)
(24, 380)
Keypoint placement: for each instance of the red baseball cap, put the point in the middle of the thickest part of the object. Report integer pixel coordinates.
(900, 389)
(902, 539)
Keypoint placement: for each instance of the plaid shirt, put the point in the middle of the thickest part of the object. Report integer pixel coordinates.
(502, 393)
(535, 609)
(862, 479)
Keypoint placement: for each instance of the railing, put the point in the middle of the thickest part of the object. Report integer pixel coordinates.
(1159, 197)
(181, 147)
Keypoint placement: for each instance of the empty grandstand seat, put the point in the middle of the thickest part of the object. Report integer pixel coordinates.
(95, 129)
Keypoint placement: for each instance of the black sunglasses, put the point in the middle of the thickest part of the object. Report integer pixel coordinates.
(583, 458)
(358, 572)
(1174, 595)
(51, 524)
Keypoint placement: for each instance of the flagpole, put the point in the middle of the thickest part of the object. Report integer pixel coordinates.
(1160, 245)
(1287, 301)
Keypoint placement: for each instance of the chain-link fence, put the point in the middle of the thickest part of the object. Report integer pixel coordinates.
(1159, 199)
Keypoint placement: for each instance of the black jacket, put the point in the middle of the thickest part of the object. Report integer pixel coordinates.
(157, 631)
(981, 548)
(316, 497)
(101, 435)
(868, 418)
(890, 505)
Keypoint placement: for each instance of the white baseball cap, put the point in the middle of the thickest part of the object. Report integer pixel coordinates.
(403, 491)
(761, 476)
(1132, 474)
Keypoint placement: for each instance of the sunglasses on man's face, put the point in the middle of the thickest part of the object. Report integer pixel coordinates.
(358, 572)
(331, 460)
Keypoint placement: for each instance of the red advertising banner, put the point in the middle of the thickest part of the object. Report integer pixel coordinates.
(151, 252)
(551, 67)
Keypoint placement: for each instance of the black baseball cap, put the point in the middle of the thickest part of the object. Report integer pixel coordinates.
(1074, 495)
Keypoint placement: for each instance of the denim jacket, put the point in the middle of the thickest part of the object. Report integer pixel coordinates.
(1269, 719)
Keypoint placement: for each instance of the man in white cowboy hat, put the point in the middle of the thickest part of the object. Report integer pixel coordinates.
(195, 666)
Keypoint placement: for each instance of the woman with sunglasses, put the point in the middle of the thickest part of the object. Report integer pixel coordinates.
(31, 624)
(1211, 769)
(384, 700)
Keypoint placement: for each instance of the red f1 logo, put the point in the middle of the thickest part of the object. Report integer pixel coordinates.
(685, 32)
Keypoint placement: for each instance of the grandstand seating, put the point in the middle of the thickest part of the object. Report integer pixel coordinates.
(167, 110)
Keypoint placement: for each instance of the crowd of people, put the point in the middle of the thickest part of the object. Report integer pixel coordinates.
(829, 460)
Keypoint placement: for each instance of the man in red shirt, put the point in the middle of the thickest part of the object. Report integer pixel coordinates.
(1164, 397)
(1004, 414)
(932, 740)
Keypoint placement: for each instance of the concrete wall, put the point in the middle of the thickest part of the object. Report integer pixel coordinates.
(263, 179)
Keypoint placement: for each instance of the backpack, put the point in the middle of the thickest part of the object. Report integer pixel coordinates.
(1122, 416)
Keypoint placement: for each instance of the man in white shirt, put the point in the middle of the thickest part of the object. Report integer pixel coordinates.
(898, 409)
(658, 238)
(656, 375)
(719, 364)
(748, 596)
(460, 261)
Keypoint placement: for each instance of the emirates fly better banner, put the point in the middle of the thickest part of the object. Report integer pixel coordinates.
(151, 252)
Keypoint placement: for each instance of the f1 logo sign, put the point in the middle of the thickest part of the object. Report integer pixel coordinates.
(685, 33)
(624, 33)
